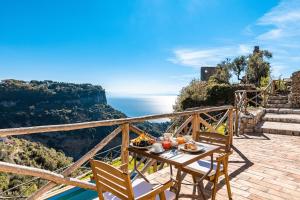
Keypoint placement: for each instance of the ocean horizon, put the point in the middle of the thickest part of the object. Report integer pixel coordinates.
(143, 105)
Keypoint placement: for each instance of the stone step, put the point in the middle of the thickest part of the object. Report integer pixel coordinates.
(279, 128)
(278, 97)
(279, 105)
(282, 101)
(286, 118)
(283, 110)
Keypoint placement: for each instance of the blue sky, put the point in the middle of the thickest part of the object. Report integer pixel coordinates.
(138, 47)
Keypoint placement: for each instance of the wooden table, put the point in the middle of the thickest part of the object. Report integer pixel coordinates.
(179, 159)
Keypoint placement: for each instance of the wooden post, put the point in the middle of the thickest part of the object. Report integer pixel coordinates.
(125, 144)
(230, 125)
(264, 98)
(273, 87)
(245, 101)
(196, 126)
(236, 126)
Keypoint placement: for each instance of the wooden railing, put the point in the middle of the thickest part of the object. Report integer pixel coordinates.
(257, 98)
(214, 119)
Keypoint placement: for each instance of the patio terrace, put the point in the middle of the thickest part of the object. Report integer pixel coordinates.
(262, 167)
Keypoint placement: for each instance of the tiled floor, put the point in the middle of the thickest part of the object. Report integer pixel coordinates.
(265, 167)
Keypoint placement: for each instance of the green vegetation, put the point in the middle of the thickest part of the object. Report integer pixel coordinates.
(218, 90)
(199, 93)
(258, 68)
(23, 152)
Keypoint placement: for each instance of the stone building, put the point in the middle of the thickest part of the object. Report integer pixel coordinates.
(206, 72)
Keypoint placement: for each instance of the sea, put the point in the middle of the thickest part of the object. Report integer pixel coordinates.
(143, 105)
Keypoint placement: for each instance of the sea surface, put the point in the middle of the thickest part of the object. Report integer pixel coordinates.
(143, 105)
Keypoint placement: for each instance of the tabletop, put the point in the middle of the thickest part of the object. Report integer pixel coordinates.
(178, 158)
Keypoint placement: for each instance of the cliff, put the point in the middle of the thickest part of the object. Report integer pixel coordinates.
(35, 103)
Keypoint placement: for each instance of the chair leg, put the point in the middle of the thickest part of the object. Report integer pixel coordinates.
(201, 189)
(227, 179)
(228, 186)
(215, 186)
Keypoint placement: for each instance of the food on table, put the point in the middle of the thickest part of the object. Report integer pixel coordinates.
(142, 141)
(180, 140)
(166, 144)
(190, 146)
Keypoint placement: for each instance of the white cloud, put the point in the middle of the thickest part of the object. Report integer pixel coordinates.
(271, 35)
(284, 20)
(282, 37)
(207, 57)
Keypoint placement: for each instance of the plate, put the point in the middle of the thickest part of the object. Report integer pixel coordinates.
(155, 152)
(199, 148)
(145, 147)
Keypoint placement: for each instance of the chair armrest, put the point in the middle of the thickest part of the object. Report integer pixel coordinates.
(156, 191)
(223, 155)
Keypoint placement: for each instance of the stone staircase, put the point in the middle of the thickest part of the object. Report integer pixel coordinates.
(278, 101)
(279, 117)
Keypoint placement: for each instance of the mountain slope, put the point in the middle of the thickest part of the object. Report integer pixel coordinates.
(23, 152)
(35, 103)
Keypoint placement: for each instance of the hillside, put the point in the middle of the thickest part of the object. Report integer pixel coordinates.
(27, 153)
(34, 103)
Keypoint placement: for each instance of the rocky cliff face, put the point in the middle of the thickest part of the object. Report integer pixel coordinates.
(35, 103)
(21, 93)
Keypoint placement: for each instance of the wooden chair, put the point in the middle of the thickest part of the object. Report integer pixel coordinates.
(220, 166)
(115, 184)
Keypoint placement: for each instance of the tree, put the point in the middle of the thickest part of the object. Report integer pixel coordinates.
(222, 73)
(258, 68)
(238, 65)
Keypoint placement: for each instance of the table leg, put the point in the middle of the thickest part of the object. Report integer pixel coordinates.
(178, 184)
(148, 164)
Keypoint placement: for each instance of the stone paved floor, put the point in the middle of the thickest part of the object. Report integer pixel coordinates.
(266, 168)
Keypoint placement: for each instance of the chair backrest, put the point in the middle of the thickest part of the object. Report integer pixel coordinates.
(111, 179)
(215, 138)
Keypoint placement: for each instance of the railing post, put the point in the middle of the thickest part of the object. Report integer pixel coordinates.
(236, 126)
(230, 125)
(125, 144)
(245, 101)
(273, 87)
(196, 126)
(264, 98)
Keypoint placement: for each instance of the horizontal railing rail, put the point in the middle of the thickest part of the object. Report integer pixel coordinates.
(94, 124)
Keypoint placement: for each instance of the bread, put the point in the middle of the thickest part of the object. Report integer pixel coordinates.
(190, 146)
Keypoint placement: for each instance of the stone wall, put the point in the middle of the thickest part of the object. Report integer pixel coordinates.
(295, 95)
(249, 121)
